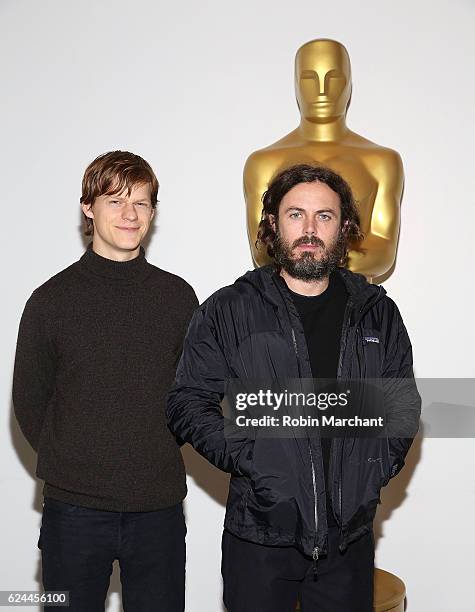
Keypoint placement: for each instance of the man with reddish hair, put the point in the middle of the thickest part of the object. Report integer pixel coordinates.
(97, 350)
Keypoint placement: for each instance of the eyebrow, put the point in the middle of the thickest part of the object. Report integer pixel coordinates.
(321, 210)
(114, 197)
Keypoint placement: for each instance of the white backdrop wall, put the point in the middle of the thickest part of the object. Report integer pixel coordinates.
(194, 88)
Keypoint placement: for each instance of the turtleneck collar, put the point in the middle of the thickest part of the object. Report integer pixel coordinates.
(124, 272)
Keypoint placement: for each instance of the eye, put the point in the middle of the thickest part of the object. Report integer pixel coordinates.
(309, 74)
(114, 202)
(295, 215)
(324, 217)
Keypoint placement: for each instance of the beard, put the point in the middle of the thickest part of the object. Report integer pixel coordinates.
(309, 265)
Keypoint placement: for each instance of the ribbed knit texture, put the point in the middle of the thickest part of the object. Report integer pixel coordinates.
(97, 349)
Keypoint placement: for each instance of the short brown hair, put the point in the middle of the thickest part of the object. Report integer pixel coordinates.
(283, 182)
(110, 174)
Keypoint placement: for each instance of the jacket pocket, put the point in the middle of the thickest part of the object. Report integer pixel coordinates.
(239, 490)
(364, 471)
(246, 459)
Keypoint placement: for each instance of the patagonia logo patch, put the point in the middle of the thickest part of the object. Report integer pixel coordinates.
(371, 339)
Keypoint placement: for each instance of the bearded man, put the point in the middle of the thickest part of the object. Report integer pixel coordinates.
(300, 509)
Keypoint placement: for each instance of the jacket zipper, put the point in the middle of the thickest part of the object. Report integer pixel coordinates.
(344, 337)
(316, 550)
(295, 343)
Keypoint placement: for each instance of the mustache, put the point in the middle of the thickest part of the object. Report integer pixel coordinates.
(308, 240)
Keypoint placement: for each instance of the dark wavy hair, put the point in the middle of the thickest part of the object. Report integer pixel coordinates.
(283, 182)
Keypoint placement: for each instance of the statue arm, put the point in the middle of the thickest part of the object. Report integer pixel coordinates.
(380, 244)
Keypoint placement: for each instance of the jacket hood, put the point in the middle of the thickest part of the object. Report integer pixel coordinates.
(363, 294)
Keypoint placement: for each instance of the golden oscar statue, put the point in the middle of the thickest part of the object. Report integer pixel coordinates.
(375, 173)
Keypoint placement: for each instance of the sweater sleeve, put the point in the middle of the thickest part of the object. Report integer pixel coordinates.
(34, 371)
(189, 305)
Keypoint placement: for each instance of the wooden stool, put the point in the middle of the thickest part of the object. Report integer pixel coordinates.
(389, 592)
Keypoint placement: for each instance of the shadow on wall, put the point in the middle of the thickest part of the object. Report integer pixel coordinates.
(209, 479)
(394, 494)
(212, 481)
(27, 457)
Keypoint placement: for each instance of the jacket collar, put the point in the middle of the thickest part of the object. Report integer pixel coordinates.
(362, 294)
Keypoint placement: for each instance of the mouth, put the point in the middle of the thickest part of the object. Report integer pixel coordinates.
(128, 229)
(308, 247)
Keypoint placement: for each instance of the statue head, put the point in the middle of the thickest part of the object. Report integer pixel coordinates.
(322, 80)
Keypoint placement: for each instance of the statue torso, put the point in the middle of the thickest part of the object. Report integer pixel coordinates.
(355, 159)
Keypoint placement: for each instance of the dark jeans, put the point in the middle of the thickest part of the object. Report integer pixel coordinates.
(78, 546)
(261, 578)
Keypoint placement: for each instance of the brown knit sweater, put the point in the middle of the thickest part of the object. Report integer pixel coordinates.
(97, 349)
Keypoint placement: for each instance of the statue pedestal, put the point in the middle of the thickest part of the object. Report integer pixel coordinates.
(389, 592)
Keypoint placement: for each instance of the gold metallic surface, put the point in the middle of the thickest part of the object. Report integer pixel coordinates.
(375, 173)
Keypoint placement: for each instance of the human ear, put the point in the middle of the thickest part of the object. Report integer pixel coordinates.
(272, 220)
(87, 210)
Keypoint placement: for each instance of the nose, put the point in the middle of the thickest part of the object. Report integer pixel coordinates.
(129, 213)
(310, 227)
(321, 86)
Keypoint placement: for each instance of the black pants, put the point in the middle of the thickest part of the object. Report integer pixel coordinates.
(78, 547)
(261, 578)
